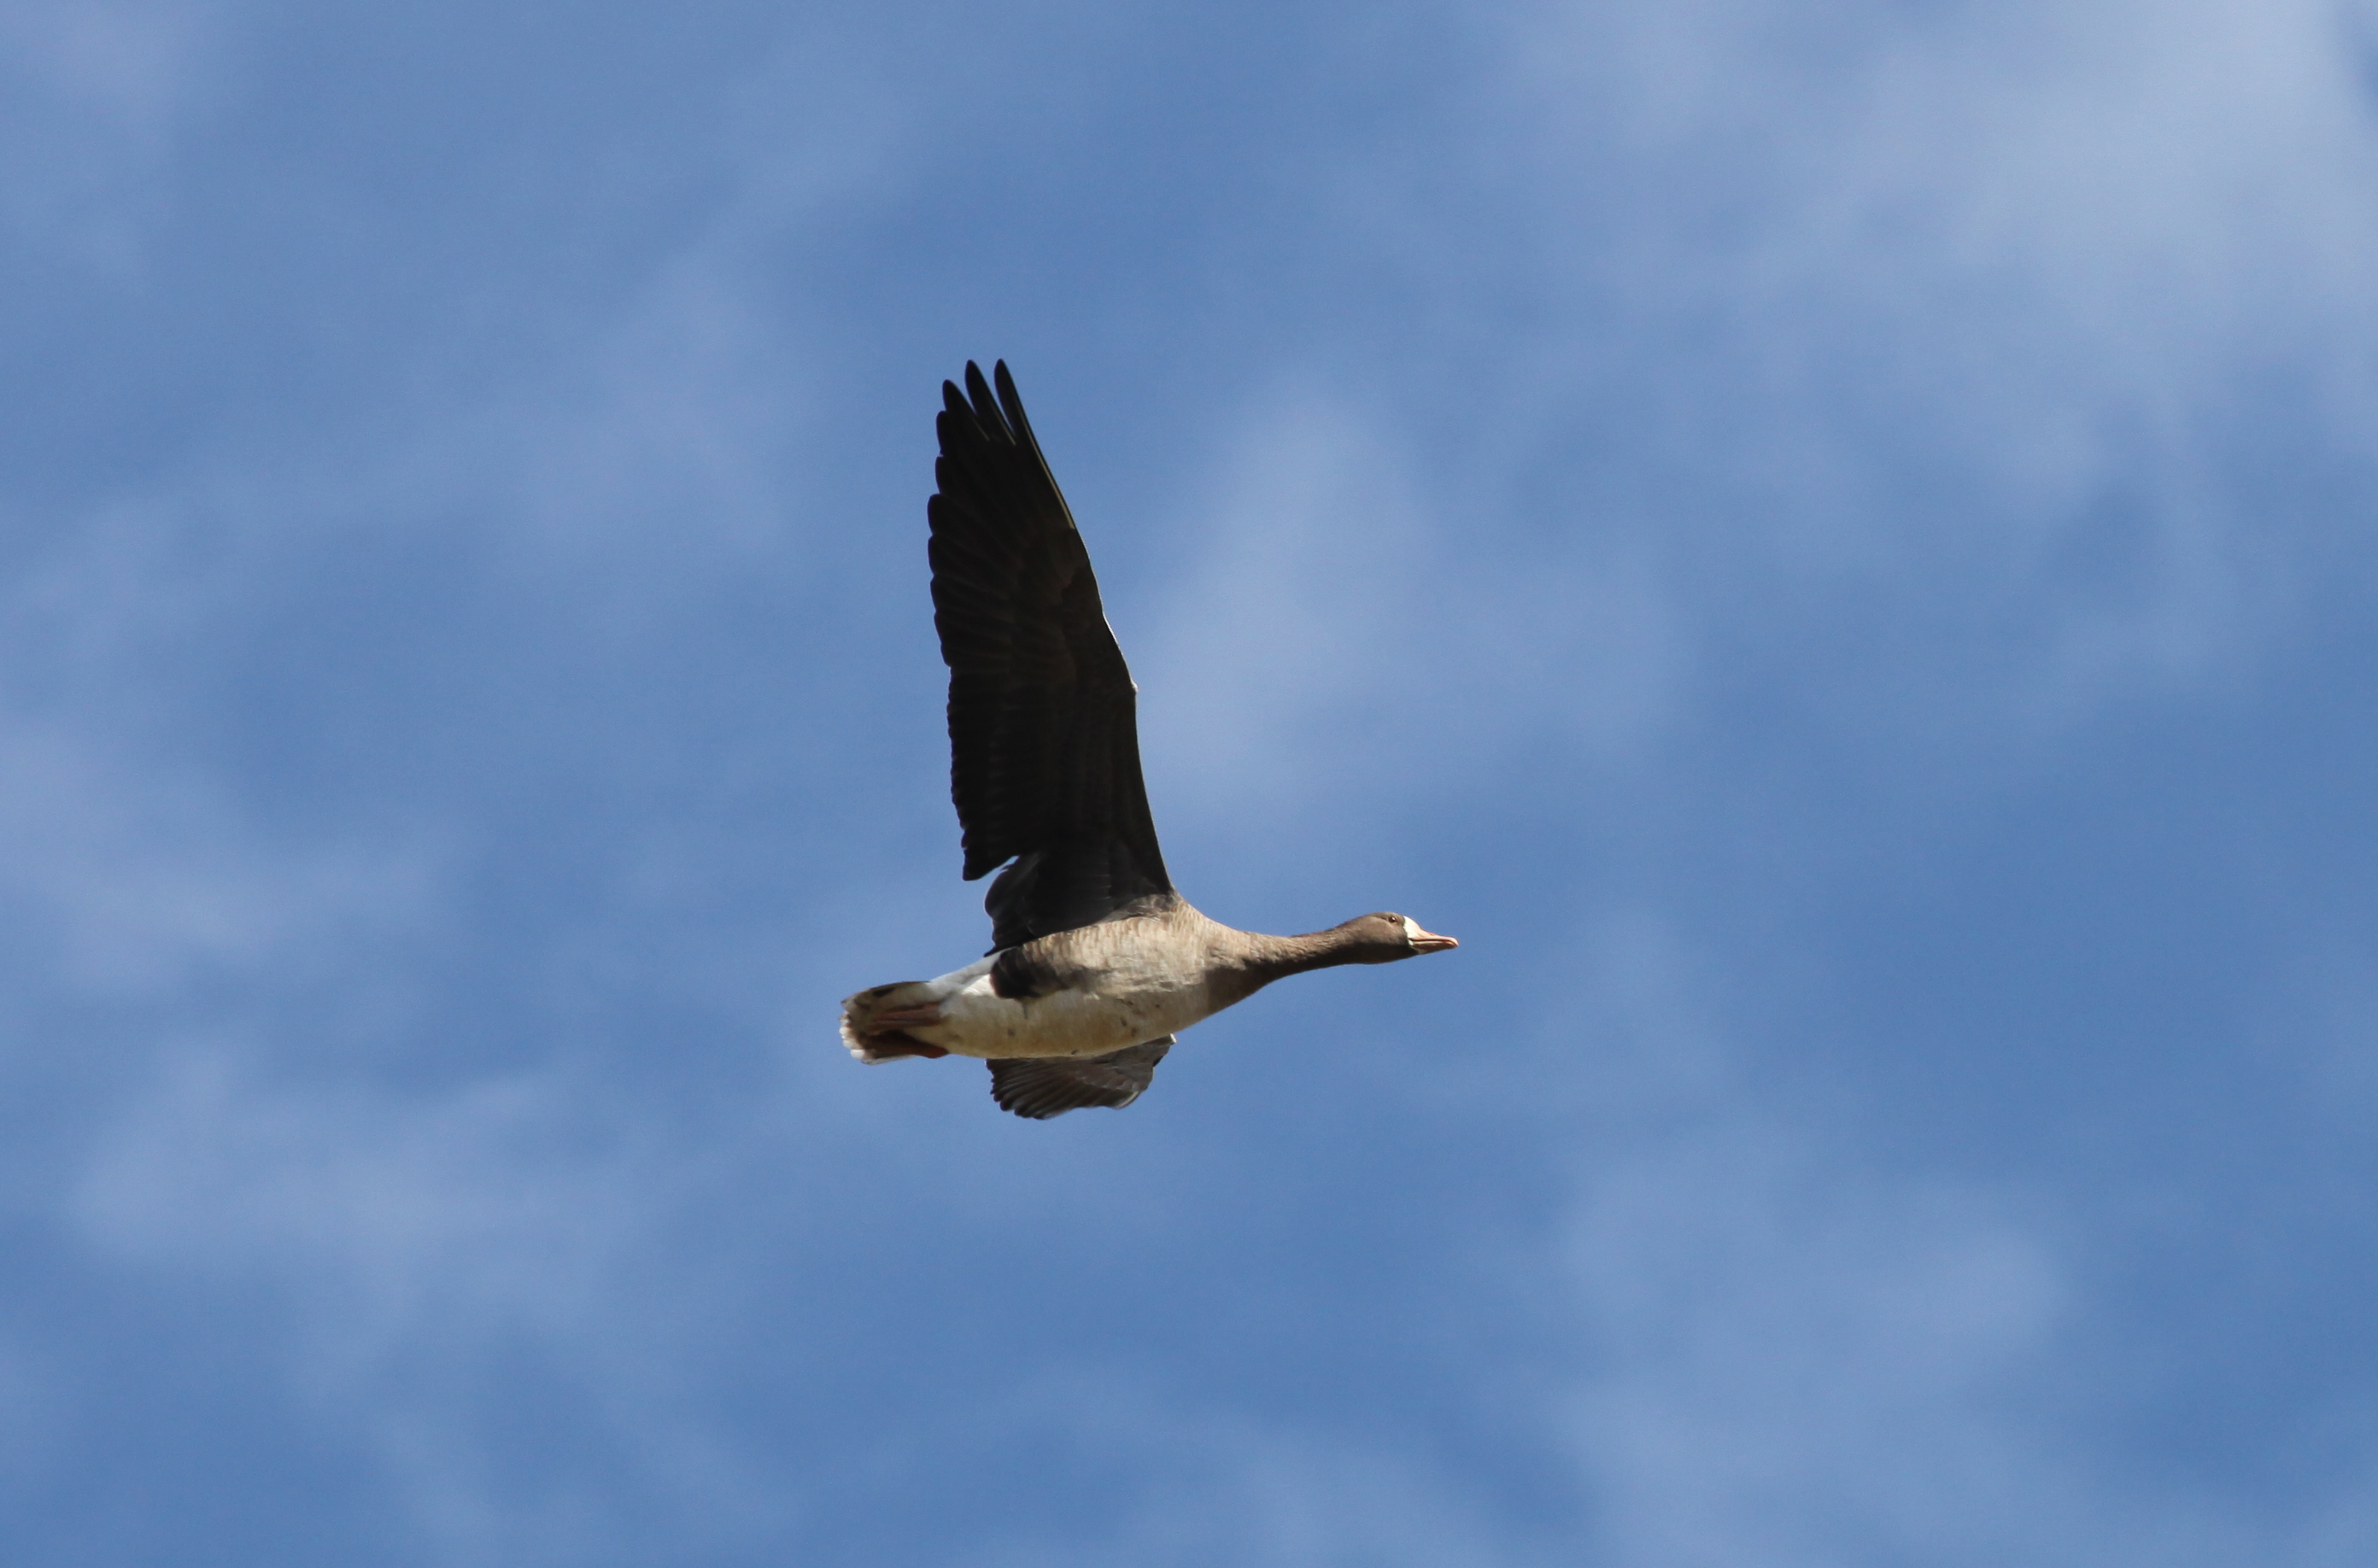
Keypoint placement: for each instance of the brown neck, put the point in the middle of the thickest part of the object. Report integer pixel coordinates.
(1262, 958)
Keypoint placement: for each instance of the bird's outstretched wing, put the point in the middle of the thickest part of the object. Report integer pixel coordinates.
(1044, 733)
(1040, 1087)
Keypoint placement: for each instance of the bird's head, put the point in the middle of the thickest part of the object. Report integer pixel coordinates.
(1384, 938)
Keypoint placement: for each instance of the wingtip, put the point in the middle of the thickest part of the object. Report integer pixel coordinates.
(1011, 404)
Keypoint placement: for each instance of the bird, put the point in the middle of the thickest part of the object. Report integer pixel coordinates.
(1096, 962)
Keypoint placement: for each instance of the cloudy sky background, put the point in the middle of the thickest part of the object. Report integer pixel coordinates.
(1830, 542)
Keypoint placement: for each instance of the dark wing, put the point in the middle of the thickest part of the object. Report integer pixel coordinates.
(1044, 732)
(1040, 1087)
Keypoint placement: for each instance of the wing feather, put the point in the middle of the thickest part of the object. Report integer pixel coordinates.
(1040, 1087)
(1044, 732)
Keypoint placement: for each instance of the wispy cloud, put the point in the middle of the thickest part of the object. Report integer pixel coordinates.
(1948, 299)
(1340, 633)
(446, 789)
(97, 91)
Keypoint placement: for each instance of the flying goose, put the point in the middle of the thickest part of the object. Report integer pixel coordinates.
(1095, 963)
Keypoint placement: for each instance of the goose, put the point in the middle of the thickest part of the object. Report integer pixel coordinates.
(1096, 962)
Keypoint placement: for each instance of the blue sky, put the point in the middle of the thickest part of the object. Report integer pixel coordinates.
(1829, 542)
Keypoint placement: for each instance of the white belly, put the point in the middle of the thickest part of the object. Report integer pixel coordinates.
(975, 1021)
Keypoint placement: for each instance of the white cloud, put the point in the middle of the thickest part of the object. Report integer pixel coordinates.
(128, 63)
(1339, 631)
(1297, 616)
(140, 882)
(123, 859)
(1930, 290)
(1798, 1364)
(1212, 1486)
(420, 1250)
(95, 91)
(1783, 1351)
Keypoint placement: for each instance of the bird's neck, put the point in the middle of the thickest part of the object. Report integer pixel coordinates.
(1263, 959)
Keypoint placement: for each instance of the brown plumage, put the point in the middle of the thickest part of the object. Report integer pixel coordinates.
(1096, 962)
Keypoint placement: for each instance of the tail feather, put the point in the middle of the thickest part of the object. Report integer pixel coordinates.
(871, 1042)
